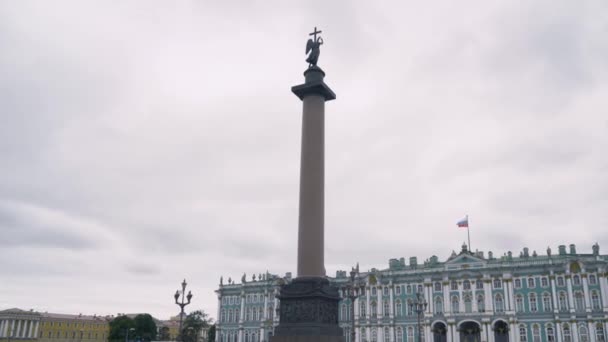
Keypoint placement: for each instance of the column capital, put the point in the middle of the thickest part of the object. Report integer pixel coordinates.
(314, 85)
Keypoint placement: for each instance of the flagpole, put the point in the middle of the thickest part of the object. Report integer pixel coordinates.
(469, 233)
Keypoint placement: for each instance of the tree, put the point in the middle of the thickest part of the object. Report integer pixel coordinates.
(193, 324)
(211, 333)
(119, 327)
(145, 327)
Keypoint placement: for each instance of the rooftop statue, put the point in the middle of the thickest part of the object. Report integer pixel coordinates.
(313, 46)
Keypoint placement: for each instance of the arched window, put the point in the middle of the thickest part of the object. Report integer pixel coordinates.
(261, 313)
(579, 301)
(533, 303)
(374, 337)
(547, 307)
(363, 334)
(398, 308)
(374, 291)
(523, 334)
(544, 282)
(398, 289)
(599, 333)
(535, 333)
(410, 334)
(385, 291)
(237, 315)
(362, 308)
(386, 308)
(247, 336)
(498, 303)
(373, 309)
(563, 302)
(479, 284)
(517, 283)
(595, 300)
(454, 285)
(468, 304)
(438, 305)
(583, 333)
(408, 308)
(592, 279)
(550, 333)
(576, 280)
(519, 303)
(497, 283)
(343, 314)
(481, 304)
(560, 281)
(567, 336)
(409, 289)
(387, 335)
(455, 304)
(531, 283)
(223, 316)
(270, 313)
(420, 290)
(399, 334)
(466, 285)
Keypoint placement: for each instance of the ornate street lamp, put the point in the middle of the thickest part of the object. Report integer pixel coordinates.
(353, 289)
(182, 304)
(419, 307)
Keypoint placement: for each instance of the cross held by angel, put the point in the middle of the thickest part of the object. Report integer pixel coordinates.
(313, 46)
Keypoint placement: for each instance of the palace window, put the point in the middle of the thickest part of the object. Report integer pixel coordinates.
(438, 305)
(550, 333)
(374, 291)
(230, 315)
(223, 316)
(595, 300)
(519, 303)
(468, 304)
(544, 282)
(497, 283)
(523, 334)
(592, 279)
(455, 304)
(362, 334)
(466, 285)
(547, 302)
(560, 281)
(387, 335)
(420, 290)
(410, 333)
(454, 285)
(399, 308)
(437, 286)
(567, 336)
(531, 283)
(563, 302)
(409, 289)
(599, 333)
(385, 291)
(517, 283)
(374, 309)
(362, 309)
(535, 333)
(386, 308)
(374, 337)
(498, 303)
(479, 284)
(579, 301)
(583, 333)
(343, 313)
(533, 303)
(398, 290)
(399, 334)
(481, 306)
(576, 280)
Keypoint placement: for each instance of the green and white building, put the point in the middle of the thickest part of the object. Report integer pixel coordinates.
(561, 297)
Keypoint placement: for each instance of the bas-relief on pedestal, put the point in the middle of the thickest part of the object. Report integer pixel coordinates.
(309, 304)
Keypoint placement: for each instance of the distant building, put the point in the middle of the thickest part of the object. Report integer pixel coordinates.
(17, 324)
(560, 297)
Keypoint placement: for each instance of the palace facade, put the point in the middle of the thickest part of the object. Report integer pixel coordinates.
(561, 297)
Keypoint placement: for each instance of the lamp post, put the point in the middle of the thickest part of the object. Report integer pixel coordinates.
(353, 290)
(419, 306)
(127, 335)
(182, 304)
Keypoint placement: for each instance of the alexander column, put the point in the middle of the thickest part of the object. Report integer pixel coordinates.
(309, 304)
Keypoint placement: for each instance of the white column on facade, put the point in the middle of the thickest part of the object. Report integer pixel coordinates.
(265, 305)
(11, 333)
(448, 333)
(242, 313)
(490, 333)
(474, 301)
(30, 329)
(367, 330)
(570, 295)
(240, 335)
(19, 327)
(368, 312)
(356, 307)
(603, 290)
(554, 294)
(558, 331)
(391, 289)
(36, 329)
(2, 324)
(275, 306)
(461, 306)
(487, 292)
(574, 331)
(429, 298)
(427, 333)
(511, 294)
(379, 301)
(393, 338)
(586, 293)
(446, 298)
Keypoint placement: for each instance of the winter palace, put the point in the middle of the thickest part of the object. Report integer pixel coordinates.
(560, 297)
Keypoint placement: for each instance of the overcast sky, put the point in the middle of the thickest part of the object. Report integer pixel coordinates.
(144, 142)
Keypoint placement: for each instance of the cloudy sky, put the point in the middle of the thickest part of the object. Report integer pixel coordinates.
(145, 142)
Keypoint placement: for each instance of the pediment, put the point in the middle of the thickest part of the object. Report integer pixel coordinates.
(466, 259)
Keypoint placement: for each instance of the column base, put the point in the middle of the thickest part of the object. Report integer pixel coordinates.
(308, 311)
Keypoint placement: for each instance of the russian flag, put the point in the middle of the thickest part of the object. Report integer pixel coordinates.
(464, 223)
